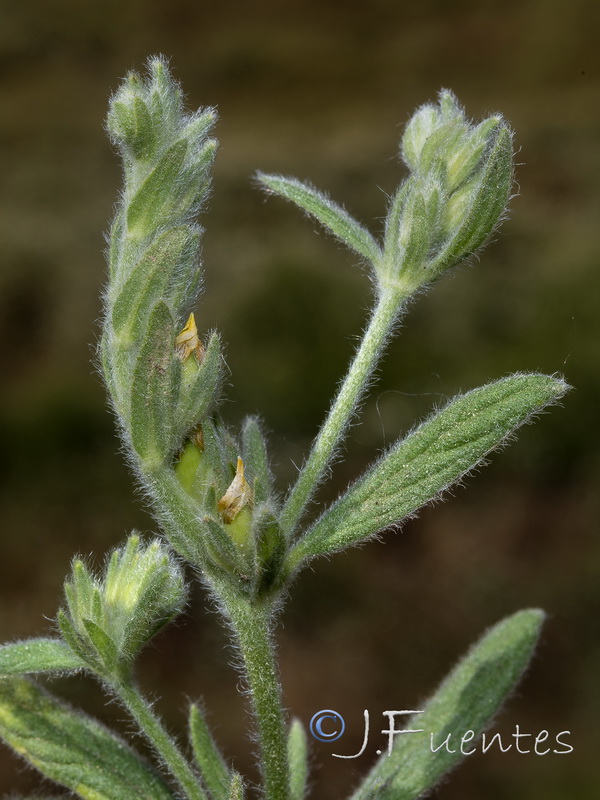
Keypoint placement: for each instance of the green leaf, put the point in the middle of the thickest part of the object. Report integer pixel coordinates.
(117, 229)
(148, 281)
(192, 188)
(325, 211)
(155, 200)
(215, 772)
(154, 390)
(38, 655)
(392, 244)
(72, 749)
(465, 702)
(429, 460)
(298, 760)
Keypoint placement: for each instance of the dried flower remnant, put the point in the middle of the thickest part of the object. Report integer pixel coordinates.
(238, 495)
(188, 342)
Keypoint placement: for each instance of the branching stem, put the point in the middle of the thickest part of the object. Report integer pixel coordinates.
(344, 406)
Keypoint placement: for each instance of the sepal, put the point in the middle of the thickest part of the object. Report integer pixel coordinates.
(269, 545)
(236, 787)
(198, 389)
(256, 460)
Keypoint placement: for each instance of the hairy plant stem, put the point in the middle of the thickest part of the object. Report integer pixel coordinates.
(252, 626)
(165, 747)
(380, 326)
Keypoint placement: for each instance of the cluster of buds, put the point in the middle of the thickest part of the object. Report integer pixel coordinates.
(108, 620)
(158, 392)
(460, 182)
(230, 484)
(163, 377)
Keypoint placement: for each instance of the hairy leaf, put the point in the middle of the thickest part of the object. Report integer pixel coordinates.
(328, 213)
(298, 758)
(71, 748)
(215, 772)
(465, 702)
(154, 389)
(148, 280)
(154, 201)
(429, 460)
(38, 655)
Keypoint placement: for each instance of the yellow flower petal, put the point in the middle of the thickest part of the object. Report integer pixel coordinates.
(188, 341)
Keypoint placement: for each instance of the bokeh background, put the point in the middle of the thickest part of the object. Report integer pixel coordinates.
(319, 89)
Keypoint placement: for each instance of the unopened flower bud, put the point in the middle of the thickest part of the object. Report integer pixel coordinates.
(456, 195)
(108, 620)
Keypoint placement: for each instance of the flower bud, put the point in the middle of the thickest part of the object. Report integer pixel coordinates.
(109, 620)
(456, 195)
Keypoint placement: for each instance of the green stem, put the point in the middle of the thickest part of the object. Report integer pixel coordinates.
(380, 326)
(253, 630)
(151, 726)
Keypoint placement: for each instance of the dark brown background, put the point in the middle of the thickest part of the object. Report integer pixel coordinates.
(319, 90)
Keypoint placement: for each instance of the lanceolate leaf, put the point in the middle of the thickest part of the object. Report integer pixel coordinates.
(38, 655)
(148, 281)
(429, 460)
(465, 702)
(72, 749)
(328, 213)
(155, 199)
(298, 758)
(215, 772)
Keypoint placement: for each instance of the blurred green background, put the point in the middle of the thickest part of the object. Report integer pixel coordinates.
(319, 89)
